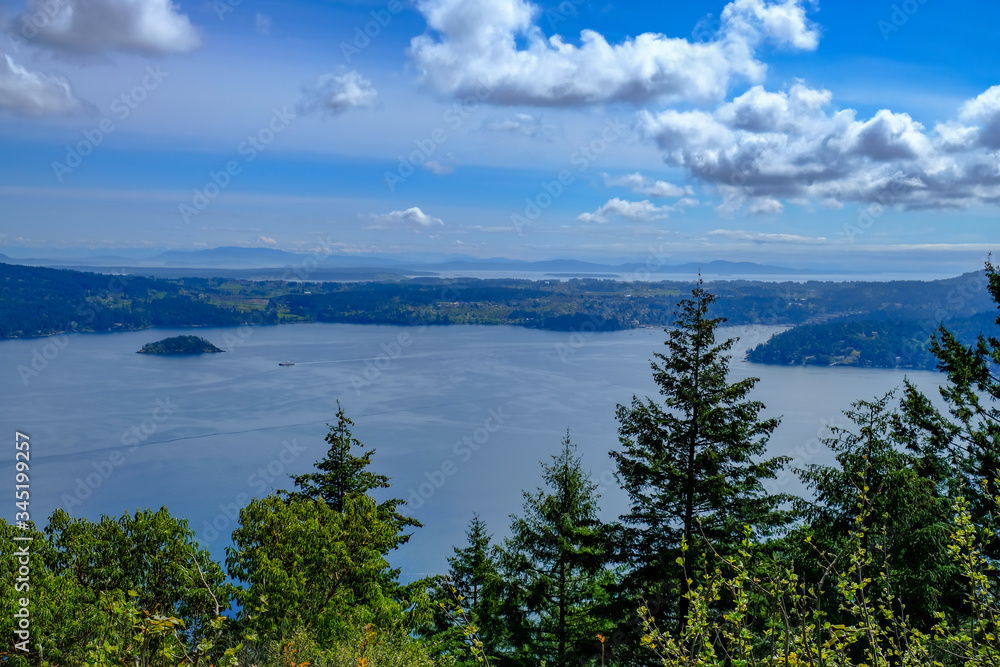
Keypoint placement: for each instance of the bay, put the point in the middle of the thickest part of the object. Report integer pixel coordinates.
(460, 417)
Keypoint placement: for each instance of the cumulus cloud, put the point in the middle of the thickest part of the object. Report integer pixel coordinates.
(149, 27)
(336, 93)
(636, 211)
(984, 112)
(29, 93)
(476, 46)
(765, 147)
(412, 217)
(647, 186)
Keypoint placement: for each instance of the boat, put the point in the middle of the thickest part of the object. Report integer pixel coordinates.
(286, 363)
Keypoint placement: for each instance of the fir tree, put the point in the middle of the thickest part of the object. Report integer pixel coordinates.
(690, 467)
(343, 474)
(555, 566)
(474, 584)
(962, 447)
(907, 520)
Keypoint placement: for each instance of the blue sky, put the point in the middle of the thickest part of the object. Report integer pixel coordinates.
(800, 133)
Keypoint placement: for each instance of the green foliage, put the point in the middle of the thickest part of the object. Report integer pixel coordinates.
(36, 301)
(963, 445)
(362, 646)
(691, 468)
(908, 507)
(136, 586)
(308, 565)
(873, 632)
(343, 474)
(468, 601)
(555, 566)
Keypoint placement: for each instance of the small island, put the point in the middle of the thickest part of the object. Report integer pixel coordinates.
(179, 345)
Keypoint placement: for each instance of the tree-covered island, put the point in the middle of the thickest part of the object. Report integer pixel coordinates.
(180, 345)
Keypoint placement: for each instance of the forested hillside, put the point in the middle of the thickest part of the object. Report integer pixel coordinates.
(38, 301)
(865, 342)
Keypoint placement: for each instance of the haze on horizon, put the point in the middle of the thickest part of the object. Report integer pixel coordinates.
(787, 132)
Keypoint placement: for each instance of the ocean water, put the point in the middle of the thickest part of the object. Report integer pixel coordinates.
(459, 416)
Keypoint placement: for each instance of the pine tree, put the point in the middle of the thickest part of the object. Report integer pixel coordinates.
(342, 474)
(691, 467)
(555, 568)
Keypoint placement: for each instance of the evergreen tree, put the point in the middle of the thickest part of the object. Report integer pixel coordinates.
(474, 584)
(905, 519)
(962, 448)
(555, 567)
(343, 474)
(473, 568)
(691, 467)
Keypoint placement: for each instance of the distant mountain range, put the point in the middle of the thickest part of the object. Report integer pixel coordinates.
(246, 261)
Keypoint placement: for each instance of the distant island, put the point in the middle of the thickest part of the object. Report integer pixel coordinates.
(180, 345)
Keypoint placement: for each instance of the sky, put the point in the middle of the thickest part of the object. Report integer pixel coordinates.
(800, 133)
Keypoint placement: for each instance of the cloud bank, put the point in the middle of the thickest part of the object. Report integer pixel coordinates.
(148, 27)
(475, 43)
(764, 147)
(27, 93)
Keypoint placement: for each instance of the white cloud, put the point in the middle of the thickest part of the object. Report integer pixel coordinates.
(149, 27)
(262, 24)
(764, 147)
(766, 206)
(647, 186)
(266, 240)
(29, 93)
(984, 111)
(411, 217)
(473, 45)
(437, 168)
(336, 93)
(640, 211)
(522, 123)
(762, 237)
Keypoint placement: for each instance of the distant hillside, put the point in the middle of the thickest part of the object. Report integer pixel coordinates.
(867, 343)
(228, 256)
(881, 324)
(36, 301)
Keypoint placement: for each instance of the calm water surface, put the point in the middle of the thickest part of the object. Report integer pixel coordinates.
(460, 417)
